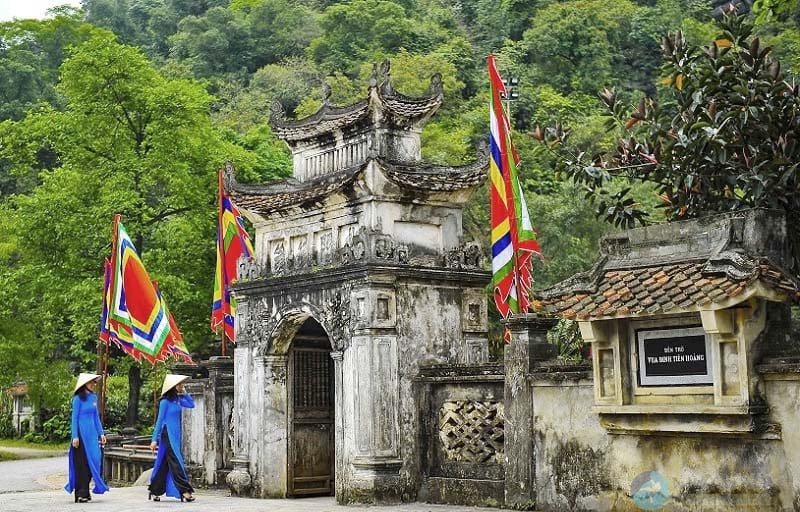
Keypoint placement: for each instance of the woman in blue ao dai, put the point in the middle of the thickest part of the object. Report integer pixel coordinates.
(169, 472)
(85, 455)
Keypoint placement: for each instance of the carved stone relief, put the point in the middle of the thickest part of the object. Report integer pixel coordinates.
(337, 315)
(300, 254)
(277, 257)
(472, 431)
(466, 256)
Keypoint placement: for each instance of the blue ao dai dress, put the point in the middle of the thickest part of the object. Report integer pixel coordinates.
(86, 426)
(169, 417)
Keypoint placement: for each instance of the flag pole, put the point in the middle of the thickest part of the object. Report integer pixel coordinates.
(154, 374)
(104, 348)
(219, 252)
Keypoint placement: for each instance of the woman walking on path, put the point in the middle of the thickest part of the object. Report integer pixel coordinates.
(169, 473)
(85, 456)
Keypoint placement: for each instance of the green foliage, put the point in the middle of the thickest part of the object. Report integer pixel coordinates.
(129, 141)
(576, 45)
(359, 31)
(116, 402)
(31, 52)
(566, 336)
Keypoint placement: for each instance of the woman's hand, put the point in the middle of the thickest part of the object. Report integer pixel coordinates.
(153, 446)
(76, 442)
(103, 440)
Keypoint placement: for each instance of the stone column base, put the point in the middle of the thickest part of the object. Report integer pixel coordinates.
(239, 480)
(375, 481)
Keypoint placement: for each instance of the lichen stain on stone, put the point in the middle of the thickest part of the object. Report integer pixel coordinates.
(578, 471)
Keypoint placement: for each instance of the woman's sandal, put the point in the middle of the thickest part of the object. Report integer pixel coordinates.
(188, 498)
(81, 500)
(150, 496)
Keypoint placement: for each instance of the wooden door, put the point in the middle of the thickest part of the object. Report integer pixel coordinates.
(311, 433)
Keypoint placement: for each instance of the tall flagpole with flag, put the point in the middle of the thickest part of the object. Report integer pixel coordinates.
(513, 238)
(233, 242)
(135, 316)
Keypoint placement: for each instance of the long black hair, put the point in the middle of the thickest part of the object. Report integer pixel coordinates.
(171, 394)
(83, 392)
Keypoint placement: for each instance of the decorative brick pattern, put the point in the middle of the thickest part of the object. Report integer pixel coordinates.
(472, 431)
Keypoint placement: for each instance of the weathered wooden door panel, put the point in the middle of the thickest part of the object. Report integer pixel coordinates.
(311, 456)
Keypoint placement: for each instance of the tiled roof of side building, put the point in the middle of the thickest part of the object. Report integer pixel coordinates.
(707, 263)
(660, 289)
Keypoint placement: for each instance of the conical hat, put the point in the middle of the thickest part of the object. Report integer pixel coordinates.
(172, 380)
(83, 379)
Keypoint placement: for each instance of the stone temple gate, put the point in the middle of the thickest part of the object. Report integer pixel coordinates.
(361, 276)
(361, 365)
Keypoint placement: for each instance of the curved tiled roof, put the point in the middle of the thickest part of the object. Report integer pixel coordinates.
(325, 120)
(274, 197)
(381, 96)
(434, 178)
(661, 289)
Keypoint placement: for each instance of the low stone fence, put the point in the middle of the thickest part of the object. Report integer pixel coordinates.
(125, 458)
(462, 414)
(208, 428)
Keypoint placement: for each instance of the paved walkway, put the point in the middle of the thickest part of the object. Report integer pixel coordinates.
(37, 486)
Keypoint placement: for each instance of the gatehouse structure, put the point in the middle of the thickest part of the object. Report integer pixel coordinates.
(361, 366)
(361, 276)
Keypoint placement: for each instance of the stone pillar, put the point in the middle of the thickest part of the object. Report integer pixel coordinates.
(220, 371)
(239, 479)
(339, 424)
(528, 346)
(273, 436)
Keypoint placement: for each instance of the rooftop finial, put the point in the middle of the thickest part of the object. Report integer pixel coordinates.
(386, 80)
(436, 84)
(228, 176)
(277, 112)
(373, 77)
(326, 93)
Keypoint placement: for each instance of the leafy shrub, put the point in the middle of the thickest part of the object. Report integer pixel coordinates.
(6, 426)
(57, 428)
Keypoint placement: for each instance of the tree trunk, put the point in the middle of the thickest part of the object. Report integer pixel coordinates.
(135, 386)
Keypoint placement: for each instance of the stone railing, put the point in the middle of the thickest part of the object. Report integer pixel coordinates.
(126, 458)
(463, 431)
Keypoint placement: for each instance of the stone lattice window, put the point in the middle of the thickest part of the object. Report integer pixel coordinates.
(472, 431)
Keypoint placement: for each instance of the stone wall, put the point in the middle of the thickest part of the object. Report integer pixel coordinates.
(462, 434)
(207, 429)
(580, 466)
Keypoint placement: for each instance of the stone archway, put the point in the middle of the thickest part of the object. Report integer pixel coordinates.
(311, 410)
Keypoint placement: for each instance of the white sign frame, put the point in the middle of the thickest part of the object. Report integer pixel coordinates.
(643, 335)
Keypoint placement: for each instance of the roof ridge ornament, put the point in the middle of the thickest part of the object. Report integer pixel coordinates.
(436, 85)
(373, 77)
(387, 89)
(228, 176)
(326, 93)
(277, 112)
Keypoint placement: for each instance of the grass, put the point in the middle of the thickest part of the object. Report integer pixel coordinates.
(21, 443)
(8, 456)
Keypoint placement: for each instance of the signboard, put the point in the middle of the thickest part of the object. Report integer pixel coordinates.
(674, 357)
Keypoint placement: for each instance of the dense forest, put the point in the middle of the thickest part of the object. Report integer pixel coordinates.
(130, 106)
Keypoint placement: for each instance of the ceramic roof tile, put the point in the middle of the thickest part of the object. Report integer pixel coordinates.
(690, 286)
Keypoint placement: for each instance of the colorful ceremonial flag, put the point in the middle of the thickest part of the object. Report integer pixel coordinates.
(513, 238)
(175, 342)
(233, 242)
(136, 317)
